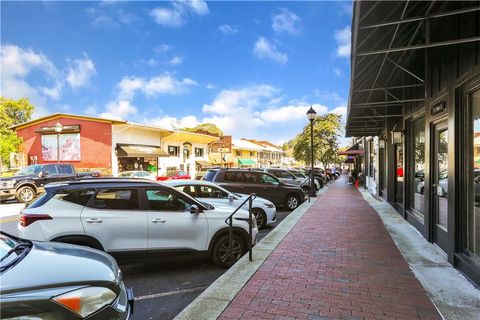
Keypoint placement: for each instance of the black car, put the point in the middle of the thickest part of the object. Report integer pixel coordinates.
(48, 280)
(26, 184)
(262, 184)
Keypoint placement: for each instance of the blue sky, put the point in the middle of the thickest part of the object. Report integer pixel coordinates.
(250, 67)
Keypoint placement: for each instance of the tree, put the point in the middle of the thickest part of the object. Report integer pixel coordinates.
(208, 128)
(326, 131)
(12, 112)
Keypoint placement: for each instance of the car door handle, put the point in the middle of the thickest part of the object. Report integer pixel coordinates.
(157, 220)
(94, 220)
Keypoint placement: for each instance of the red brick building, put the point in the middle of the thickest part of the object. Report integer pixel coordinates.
(84, 141)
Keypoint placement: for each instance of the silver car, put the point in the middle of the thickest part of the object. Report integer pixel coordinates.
(49, 280)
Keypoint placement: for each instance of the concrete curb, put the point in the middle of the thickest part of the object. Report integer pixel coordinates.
(212, 302)
(451, 293)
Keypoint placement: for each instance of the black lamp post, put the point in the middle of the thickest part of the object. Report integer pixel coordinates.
(58, 130)
(311, 115)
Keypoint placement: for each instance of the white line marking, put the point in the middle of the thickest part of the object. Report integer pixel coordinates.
(170, 293)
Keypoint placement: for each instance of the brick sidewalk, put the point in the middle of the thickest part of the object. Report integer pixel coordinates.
(338, 262)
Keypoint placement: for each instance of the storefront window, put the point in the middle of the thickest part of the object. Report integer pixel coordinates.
(418, 181)
(474, 176)
(399, 174)
(371, 159)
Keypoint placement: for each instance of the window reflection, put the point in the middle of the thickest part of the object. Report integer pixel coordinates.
(474, 173)
(418, 188)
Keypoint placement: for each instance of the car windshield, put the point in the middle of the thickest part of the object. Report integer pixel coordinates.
(29, 170)
(297, 174)
(6, 244)
(11, 251)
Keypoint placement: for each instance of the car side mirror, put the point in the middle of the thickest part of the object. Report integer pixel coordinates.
(42, 174)
(231, 198)
(194, 209)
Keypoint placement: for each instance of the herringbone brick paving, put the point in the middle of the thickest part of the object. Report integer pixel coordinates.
(338, 262)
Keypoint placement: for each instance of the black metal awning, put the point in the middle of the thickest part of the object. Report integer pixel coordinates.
(139, 151)
(389, 40)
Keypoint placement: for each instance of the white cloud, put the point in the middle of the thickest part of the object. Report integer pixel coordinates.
(337, 72)
(227, 29)
(342, 110)
(80, 71)
(168, 17)
(210, 86)
(289, 113)
(286, 22)
(173, 122)
(177, 15)
(110, 17)
(175, 61)
(162, 84)
(17, 64)
(343, 38)
(263, 49)
(119, 109)
(231, 101)
(163, 47)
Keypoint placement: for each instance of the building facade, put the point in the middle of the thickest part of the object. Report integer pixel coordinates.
(84, 141)
(414, 107)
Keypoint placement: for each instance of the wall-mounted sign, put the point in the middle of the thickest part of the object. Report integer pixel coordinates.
(438, 108)
(397, 137)
(73, 128)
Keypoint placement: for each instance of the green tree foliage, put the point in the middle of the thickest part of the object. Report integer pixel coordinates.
(12, 112)
(209, 128)
(326, 132)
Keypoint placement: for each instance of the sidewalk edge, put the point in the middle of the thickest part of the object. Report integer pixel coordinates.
(450, 292)
(214, 300)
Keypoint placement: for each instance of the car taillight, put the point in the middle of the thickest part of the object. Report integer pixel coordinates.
(28, 219)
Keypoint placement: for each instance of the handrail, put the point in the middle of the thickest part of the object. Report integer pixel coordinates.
(229, 221)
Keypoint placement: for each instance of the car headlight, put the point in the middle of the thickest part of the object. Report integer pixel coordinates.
(87, 300)
(8, 184)
(269, 205)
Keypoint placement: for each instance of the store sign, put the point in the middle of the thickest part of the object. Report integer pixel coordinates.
(438, 108)
(73, 128)
(143, 149)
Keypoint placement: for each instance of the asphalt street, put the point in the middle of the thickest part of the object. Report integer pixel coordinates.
(161, 289)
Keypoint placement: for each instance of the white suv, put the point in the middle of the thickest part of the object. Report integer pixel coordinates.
(131, 218)
(263, 209)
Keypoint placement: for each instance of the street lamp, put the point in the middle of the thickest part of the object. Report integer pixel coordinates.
(311, 115)
(58, 130)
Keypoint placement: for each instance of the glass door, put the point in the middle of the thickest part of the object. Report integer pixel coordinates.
(439, 186)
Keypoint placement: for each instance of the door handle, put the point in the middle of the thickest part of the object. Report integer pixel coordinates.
(94, 220)
(157, 220)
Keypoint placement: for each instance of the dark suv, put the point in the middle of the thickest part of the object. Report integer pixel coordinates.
(262, 184)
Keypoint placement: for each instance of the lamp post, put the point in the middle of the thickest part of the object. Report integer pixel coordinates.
(311, 114)
(58, 130)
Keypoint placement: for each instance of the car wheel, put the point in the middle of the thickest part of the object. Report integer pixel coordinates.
(25, 194)
(292, 202)
(221, 251)
(261, 217)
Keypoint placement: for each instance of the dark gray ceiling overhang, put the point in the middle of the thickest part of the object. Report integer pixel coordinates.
(389, 40)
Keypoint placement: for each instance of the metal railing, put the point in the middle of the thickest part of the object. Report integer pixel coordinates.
(229, 221)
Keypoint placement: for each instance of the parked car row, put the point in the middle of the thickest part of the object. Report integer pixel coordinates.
(27, 183)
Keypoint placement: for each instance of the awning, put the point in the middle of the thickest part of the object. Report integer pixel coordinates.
(246, 161)
(203, 163)
(139, 151)
(350, 159)
(351, 152)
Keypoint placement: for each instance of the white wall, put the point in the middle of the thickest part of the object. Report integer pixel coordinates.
(165, 162)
